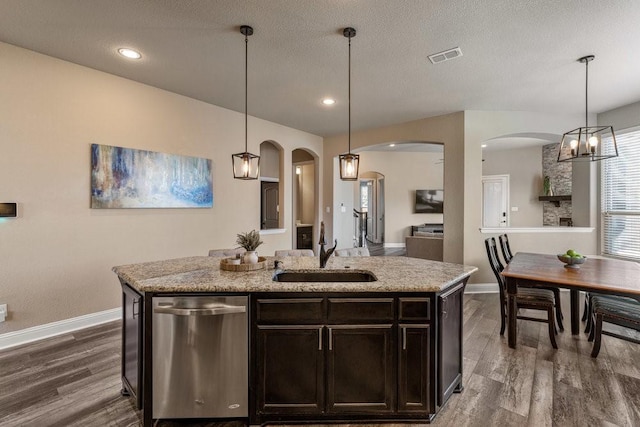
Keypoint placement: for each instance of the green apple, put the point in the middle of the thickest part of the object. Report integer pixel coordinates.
(571, 252)
(578, 256)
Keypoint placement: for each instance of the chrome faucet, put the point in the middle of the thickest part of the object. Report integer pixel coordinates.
(325, 254)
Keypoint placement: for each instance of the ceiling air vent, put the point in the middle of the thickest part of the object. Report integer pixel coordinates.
(445, 55)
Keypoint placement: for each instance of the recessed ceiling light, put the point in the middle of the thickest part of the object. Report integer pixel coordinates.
(129, 53)
(328, 101)
(484, 146)
(392, 145)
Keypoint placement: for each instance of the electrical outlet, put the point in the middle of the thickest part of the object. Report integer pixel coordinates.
(3, 312)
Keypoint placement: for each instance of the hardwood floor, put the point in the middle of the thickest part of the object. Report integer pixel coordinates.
(74, 379)
(378, 249)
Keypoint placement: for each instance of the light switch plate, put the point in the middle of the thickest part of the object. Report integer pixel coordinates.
(3, 312)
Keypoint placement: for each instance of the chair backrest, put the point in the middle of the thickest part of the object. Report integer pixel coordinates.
(506, 249)
(496, 265)
(226, 252)
(352, 252)
(294, 252)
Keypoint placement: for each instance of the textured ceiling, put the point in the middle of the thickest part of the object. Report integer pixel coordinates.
(517, 54)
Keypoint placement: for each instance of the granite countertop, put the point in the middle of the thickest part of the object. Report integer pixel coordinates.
(203, 274)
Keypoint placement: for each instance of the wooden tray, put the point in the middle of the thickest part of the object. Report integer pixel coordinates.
(262, 263)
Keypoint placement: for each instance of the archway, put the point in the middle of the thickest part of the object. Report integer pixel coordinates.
(305, 198)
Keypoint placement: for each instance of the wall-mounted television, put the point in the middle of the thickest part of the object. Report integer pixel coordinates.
(429, 201)
(8, 210)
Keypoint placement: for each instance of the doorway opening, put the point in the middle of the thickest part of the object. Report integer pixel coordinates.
(369, 216)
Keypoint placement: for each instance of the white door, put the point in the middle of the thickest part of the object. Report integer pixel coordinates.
(495, 200)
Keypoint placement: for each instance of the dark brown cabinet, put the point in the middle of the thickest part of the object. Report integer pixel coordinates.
(132, 344)
(414, 394)
(290, 369)
(450, 343)
(356, 357)
(304, 237)
(360, 374)
(416, 362)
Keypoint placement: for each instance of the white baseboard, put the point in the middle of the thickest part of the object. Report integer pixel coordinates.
(24, 336)
(393, 245)
(481, 288)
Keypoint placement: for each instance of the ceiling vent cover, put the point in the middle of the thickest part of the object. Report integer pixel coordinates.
(445, 55)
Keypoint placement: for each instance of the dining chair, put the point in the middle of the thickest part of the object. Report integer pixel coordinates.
(506, 249)
(527, 298)
(226, 252)
(352, 252)
(294, 252)
(508, 256)
(617, 310)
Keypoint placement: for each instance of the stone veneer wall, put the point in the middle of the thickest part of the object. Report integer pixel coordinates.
(560, 175)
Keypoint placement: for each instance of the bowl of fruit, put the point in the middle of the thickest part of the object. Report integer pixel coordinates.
(572, 259)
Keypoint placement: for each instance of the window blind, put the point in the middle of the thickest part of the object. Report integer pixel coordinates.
(621, 198)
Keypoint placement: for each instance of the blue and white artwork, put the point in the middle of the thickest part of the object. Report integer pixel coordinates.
(129, 178)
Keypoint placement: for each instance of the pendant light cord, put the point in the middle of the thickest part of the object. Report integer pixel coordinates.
(586, 95)
(349, 94)
(246, 84)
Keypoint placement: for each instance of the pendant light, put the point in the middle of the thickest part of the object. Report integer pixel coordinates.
(245, 165)
(585, 143)
(349, 162)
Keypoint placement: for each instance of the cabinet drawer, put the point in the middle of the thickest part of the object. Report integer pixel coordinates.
(414, 309)
(297, 310)
(360, 309)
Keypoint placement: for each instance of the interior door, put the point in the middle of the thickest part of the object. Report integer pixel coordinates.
(270, 208)
(495, 199)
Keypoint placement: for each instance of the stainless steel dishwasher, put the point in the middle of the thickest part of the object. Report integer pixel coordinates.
(200, 357)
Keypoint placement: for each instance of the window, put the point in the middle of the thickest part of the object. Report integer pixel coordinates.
(621, 198)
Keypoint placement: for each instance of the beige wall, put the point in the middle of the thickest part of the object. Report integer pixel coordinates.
(447, 130)
(58, 254)
(269, 161)
(621, 118)
(307, 193)
(524, 167)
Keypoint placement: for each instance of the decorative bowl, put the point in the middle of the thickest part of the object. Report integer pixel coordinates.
(571, 262)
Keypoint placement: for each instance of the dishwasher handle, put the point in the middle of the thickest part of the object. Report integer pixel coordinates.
(205, 311)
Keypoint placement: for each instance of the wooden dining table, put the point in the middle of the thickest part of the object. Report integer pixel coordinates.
(600, 275)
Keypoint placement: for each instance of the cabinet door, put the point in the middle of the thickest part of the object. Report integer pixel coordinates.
(290, 369)
(450, 343)
(360, 374)
(132, 343)
(414, 369)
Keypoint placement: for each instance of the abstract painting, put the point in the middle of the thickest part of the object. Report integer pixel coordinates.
(129, 178)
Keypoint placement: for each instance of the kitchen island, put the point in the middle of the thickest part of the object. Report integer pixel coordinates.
(388, 350)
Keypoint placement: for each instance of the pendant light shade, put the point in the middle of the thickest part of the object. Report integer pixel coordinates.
(245, 165)
(349, 162)
(586, 143)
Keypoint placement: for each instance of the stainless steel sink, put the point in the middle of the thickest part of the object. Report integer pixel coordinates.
(325, 276)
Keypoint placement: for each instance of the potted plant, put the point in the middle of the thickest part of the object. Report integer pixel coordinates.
(250, 242)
